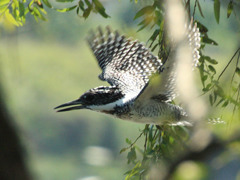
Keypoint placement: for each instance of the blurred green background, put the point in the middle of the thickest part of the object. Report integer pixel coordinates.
(45, 64)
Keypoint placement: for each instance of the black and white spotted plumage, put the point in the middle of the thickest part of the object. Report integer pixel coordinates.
(141, 85)
(125, 63)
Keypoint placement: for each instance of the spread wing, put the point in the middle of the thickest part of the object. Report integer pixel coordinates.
(162, 85)
(125, 63)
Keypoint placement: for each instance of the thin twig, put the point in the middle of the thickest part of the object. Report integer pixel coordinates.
(236, 66)
(194, 9)
(228, 64)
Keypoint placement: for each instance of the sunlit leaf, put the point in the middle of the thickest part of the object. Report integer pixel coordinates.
(66, 9)
(217, 10)
(145, 10)
(4, 2)
(230, 8)
(3, 8)
(10, 18)
(38, 14)
(63, 1)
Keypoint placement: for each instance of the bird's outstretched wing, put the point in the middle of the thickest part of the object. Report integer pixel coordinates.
(162, 85)
(125, 63)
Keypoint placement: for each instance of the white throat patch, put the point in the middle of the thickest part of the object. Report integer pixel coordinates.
(128, 97)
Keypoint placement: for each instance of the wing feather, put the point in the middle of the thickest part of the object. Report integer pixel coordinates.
(124, 62)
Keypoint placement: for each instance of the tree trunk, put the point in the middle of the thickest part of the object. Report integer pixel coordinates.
(12, 162)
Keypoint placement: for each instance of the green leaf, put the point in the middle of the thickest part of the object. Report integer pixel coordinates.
(202, 28)
(143, 24)
(204, 78)
(87, 11)
(229, 9)
(220, 101)
(154, 35)
(225, 103)
(210, 60)
(143, 11)
(237, 70)
(46, 2)
(10, 18)
(88, 3)
(66, 9)
(99, 8)
(217, 10)
(81, 5)
(21, 9)
(207, 88)
(211, 99)
(3, 9)
(211, 68)
(128, 141)
(220, 92)
(4, 2)
(132, 156)
(207, 40)
(37, 13)
(123, 150)
(63, 1)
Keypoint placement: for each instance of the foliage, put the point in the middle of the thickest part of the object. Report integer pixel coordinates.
(162, 144)
(15, 11)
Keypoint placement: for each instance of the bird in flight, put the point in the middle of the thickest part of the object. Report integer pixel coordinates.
(141, 85)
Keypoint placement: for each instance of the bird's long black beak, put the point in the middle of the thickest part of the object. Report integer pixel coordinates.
(73, 105)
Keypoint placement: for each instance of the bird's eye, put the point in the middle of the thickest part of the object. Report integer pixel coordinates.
(88, 97)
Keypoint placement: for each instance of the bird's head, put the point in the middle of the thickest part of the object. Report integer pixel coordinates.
(99, 99)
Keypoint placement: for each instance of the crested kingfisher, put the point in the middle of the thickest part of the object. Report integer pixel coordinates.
(141, 85)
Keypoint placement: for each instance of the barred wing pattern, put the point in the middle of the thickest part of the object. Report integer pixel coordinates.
(125, 63)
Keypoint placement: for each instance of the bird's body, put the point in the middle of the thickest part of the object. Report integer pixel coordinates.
(153, 112)
(142, 87)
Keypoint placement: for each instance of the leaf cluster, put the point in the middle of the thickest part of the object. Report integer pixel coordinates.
(152, 16)
(85, 7)
(15, 11)
(213, 86)
(163, 143)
